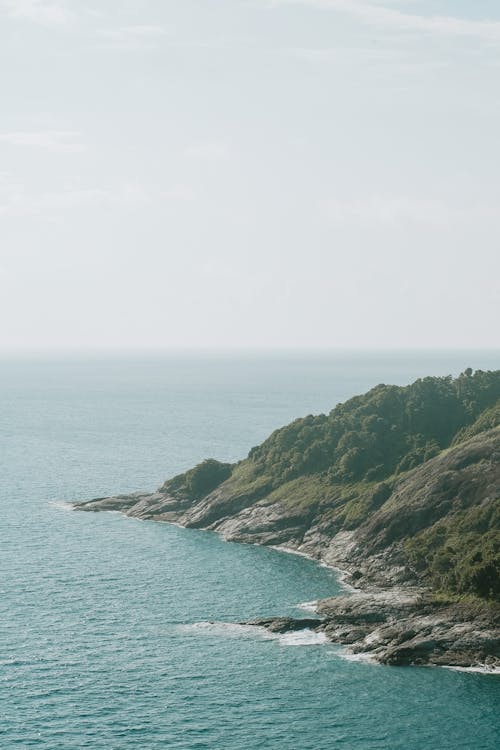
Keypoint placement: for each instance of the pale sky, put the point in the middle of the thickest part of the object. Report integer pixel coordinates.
(249, 173)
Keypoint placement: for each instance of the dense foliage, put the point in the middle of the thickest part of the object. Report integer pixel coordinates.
(462, 551)
(199, 481)
(386, 431)
(344, 471)
(486, 421)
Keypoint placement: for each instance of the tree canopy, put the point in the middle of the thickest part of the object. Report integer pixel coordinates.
(384, 432)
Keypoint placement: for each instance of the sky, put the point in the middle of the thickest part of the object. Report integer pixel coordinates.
(249, 174)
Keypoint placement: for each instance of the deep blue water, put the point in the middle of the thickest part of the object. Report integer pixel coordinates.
(99, 642)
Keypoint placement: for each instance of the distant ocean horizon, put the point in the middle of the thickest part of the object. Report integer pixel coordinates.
(117, 634)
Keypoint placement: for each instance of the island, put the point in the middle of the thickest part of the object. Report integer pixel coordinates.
(399, 489)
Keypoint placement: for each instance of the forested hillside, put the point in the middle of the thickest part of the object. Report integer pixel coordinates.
(384, 432)
(401, 484)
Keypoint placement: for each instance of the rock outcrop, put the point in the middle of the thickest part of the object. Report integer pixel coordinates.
(420, 547)
(401, 629)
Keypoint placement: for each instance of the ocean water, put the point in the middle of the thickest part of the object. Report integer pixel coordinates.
(105, 634)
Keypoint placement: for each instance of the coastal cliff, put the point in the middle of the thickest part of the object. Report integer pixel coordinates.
(399, 489)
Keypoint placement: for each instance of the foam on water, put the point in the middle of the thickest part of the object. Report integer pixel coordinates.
(308, 606)
(225, 630)
(363, 656)
(341, 575)
(478, 669)
(234, 630)
(290, 550)
(61, 505)
(303, 638)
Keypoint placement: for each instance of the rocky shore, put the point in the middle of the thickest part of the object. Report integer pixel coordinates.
(398, 489)
(398, 625)
(398, 629)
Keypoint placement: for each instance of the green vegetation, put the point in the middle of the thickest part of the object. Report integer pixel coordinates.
(461, 553)
(486, 421)
(387, 431)
(402, 467)
(199, 481)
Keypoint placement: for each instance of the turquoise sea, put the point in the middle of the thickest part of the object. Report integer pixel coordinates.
(104, 641)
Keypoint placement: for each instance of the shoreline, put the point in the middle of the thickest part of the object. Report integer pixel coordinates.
(341, 574)
(369, 623)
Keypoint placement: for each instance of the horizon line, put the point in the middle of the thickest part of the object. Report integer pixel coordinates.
(175, 350)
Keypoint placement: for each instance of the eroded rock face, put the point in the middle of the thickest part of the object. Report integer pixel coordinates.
(154, 506)
(465, 476)
(391, 615)
(459, 478)
(399, 629)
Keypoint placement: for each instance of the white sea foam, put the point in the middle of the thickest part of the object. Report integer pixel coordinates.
(302, 638)
(291, 551)
(309, 606)
(363, 656)
(340, 574)
(61, 505)
(368, 658)
(479, 668)
(226, 629)
(233, 630)
(342, 579)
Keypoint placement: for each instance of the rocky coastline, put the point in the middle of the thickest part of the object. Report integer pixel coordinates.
(399, 489)
(378, 618)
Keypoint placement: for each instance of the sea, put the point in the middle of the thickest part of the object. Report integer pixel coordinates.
(117, 634)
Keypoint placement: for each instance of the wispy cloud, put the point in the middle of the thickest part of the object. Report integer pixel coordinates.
(17, 199)
(38, 11)
(385, 17)
(178, 193)
(132, 37)
(339, 54)
(373, 61)
(66, 141)
(392, 211)
(208, 151)
(10, 193)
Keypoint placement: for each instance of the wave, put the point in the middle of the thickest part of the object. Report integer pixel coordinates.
(309, 606)
(362, 656)
(290, 551)
(302, 638)
(479, 668)
(234, 630)
(226, 629)
(61, 504)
